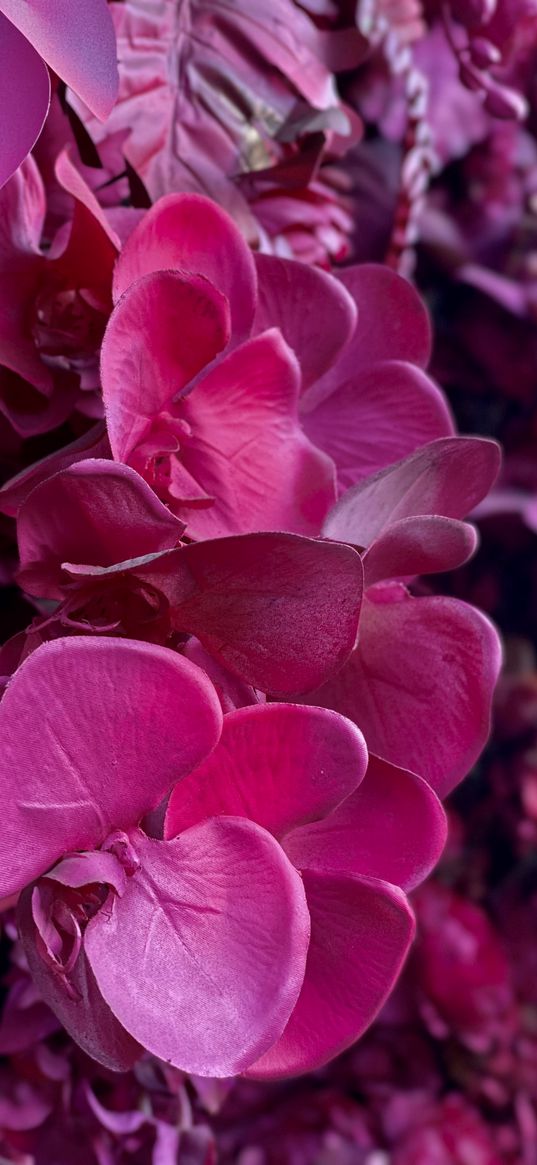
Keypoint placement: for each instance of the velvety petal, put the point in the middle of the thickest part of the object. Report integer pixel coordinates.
(420, 683)
(281, 765)
(202, 959)
(82, 1009)
(247, 449)
(252, 601)
(94, 443)
(375, 416)
(361, 930)
(76, 38)
(393, 323)
(94, 512)
(163, 331)
(134, 719)
(192, 234)
(24, 95)
(231, 691)
(22, 214)
(447, 477)
(419, 546)
(392, 827)
(295, 298)
(91, 250)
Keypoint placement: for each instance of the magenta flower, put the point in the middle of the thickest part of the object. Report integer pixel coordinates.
(421, 679)
(303, 778)
(76, 39)
(53, 306)
(194, 947)
(95, 537)
(213, 423)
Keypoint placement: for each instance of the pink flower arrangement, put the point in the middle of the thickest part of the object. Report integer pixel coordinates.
(249, 567)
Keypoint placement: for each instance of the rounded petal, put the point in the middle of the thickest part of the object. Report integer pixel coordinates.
(314, 313)
(420, 683)
(447, 477)
(419, 546)
(361, 931)
(247, 449)
(281, 765)
(392, 319)
(76, 38)
(376, 415)
(93, 732)
(95, 513)
(81, 1010)
(202, 959)
(94, 443)
(191, 234)
(252, 600)
(163, 331)
(392, 827)
(24, 96)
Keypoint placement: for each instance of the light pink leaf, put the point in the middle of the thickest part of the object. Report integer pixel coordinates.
(22, 73)
(76, 38)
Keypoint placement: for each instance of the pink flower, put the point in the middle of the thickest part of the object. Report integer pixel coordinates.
(76, 39)
(303, 779)
(95, 537)
(421, 678)
(193, 947)
(213, 425)
(53, 306)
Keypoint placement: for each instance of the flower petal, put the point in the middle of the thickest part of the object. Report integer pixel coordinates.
(163, 331)
(375, 416)
(361, 930)
(82, 1011)
(392, 827)
(252, 600)
(76, 38)
(420, 683)
(95, 512)
(281, 765)
(202, 959)
(295, 298)
(391, 318)
(93, 732)
(421, 545)
(23, 73)
(247, 449)
(191, 234)
(447, 477)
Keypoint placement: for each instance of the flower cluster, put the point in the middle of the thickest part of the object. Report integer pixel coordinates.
(244, 656)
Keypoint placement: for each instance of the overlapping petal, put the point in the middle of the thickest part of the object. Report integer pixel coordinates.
(211, 936)
(135, 718)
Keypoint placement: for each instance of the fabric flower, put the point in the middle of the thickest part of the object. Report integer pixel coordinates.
(355, 837)
(420, 680)
(205, 937)
(97, 538)
(54, 305)
(76, 39)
